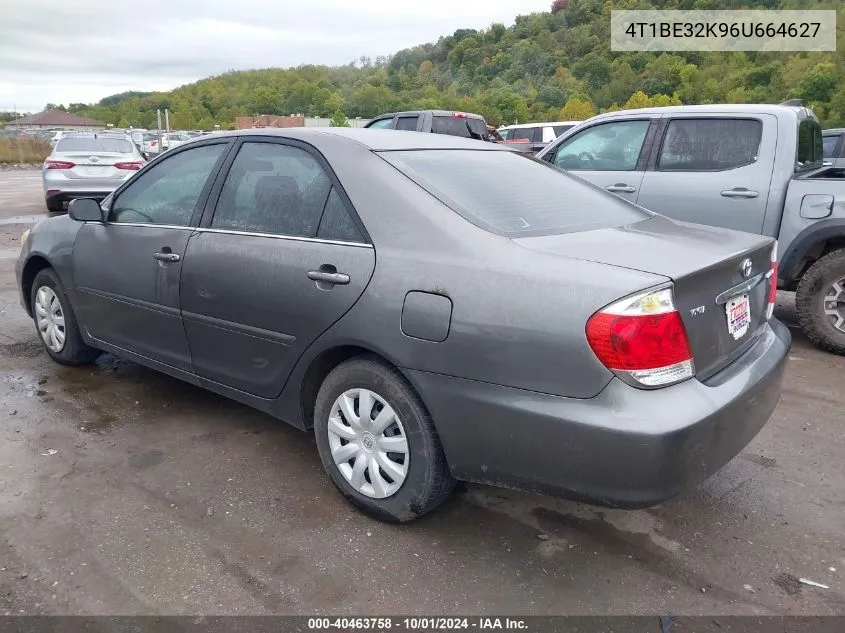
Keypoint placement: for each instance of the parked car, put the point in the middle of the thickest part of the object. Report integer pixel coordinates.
(532, 137)
(88, 165)
(462, 124)
(151, 144)
(755, 168)
(428, 319)
(833, 147)
(174, 139)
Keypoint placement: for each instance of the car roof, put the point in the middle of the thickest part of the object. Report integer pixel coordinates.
(519, 126)
(377, 140)
(716, 108)
(469, 115)
(834, 130)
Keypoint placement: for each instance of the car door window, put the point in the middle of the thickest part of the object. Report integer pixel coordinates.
(531, 134)
(337, 222)
(829, 144)
(381, 123)
(611, 146)
(407, 123)
(168, 192)
(715, 144)
(273, 188)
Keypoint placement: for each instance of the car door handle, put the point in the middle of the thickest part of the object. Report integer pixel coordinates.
(621, 187)
(329, 278)
(739, 192)
(166, 257)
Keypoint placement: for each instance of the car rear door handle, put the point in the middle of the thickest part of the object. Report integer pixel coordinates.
(166, 257)
(329, 278)
(621, 187)
(739, 192)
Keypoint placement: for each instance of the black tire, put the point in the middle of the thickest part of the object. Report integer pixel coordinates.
(809, 302)
(428, 482)
(75, 351)
(55, 206)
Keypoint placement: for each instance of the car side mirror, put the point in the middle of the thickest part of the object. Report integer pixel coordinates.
(85, 210)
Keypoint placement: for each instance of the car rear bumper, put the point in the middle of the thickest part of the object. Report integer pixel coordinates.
(624, 448)
(68, 188)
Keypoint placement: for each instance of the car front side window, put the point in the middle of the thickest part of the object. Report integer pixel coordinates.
(169, 191)
(611, 146)
(381, 124)
(273, 188)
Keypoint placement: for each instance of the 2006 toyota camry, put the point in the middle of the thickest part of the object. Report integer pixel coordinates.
(435, 308)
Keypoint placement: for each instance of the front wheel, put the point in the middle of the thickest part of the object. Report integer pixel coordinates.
(56, 322)
(378, 443)
(820, 302)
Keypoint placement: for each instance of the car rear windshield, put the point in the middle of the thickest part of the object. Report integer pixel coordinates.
(468, 127)
(94, 145)
(512, 195)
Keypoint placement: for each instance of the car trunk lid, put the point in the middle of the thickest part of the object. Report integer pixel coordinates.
(707, 267)
(94, 165)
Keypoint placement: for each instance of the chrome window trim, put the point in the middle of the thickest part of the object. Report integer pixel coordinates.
(275, 236)
(142, 224)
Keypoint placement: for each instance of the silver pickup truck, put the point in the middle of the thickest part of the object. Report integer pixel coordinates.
(754, 168)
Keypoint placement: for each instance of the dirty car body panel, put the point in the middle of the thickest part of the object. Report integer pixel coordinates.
(482, 312)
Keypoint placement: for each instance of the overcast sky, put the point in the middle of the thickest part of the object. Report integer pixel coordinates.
(83, 50)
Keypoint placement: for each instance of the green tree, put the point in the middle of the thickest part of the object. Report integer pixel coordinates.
(338, 119)
(577, 108)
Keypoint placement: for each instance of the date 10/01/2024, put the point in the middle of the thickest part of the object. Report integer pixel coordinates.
(416, 624)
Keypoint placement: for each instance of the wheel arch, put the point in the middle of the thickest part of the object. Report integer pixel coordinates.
(810, 245)
(316, 369)
(34, 265)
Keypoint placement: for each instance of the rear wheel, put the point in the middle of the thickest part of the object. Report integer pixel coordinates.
(56, 322)
(820, 302)
(378, 443)
(54, 205)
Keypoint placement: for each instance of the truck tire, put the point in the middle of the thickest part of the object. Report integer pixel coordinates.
(820, 302)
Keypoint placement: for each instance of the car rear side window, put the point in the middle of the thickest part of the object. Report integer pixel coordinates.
(272, 188)
(407, 123)
(532, 134)
(560, 129)
(715, 144)
(810, 149)
(95, 145)
(168, 192)
(479, 185)
(456, 125)
(337, 222)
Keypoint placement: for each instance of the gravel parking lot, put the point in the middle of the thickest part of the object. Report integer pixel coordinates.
(123, 491)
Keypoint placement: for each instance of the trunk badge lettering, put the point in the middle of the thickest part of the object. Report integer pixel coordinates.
(697, 311)
(745, 268)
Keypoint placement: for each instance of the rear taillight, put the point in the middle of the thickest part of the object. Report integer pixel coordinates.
(58, 164)
(133, 165)
(643, 339)
(773, 282)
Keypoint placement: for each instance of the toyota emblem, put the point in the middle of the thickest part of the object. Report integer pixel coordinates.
(94, 159)
(745, 267)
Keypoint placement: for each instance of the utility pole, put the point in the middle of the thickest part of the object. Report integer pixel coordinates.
(158, 125)
(20, 135)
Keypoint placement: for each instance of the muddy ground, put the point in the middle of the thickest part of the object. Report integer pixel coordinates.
(123, 491)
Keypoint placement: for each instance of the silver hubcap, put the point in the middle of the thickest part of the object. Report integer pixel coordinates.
(50, 319)
(834, 305)
(368, 443)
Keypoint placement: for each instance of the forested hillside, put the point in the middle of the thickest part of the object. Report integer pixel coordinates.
(554, 65)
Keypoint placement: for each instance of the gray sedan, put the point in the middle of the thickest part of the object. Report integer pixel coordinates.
(434, 308)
